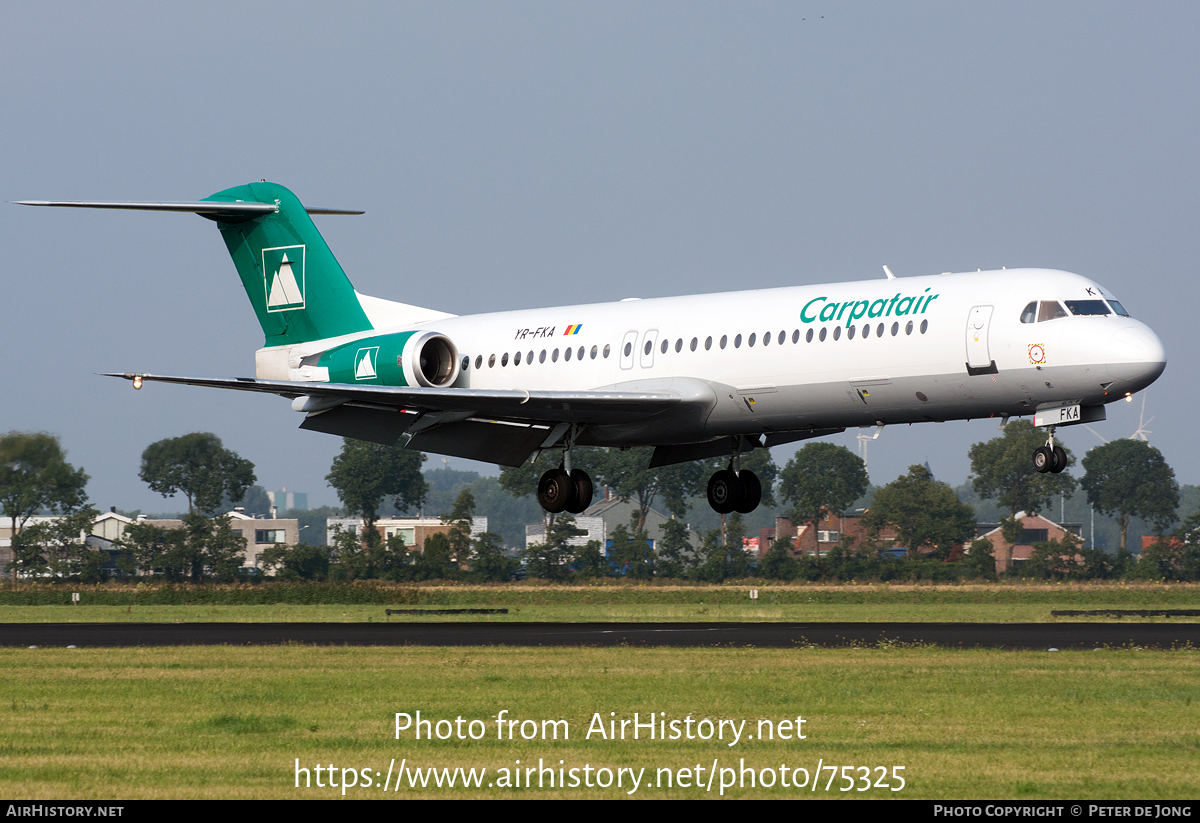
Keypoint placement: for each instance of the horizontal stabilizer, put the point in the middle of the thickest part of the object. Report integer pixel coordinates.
(213, 210)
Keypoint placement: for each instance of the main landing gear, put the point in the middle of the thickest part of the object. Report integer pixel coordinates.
(565, 489)
(734, 489)
(1050, 457)
(560, 490)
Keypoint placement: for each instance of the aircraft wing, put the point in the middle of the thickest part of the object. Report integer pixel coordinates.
(494, 425)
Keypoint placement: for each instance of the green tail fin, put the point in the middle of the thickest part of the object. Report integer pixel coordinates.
(296, 285)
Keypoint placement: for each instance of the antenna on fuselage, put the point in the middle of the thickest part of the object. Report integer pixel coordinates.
(889, 274)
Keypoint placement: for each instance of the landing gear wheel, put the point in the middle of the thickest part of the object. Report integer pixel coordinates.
(753, 489)
(583, 491)
(725, 491)
(1060, 459)
(1043, 459)
(556, 491)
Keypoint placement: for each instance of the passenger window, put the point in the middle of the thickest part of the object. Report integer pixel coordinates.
(895, 329)
(504, 359)
(517, 359)
(866, 330)
(737, 342)
(879, 330)
(679, 345)
(808, 337)
(850, 333)
(724, 340)
(663, 347)
(708, 343)
(822, 334)
(566, 354)
(1050, 310)
(783, 336)
(542, 356)
(554, 356)
(491, 361)
(607, 350)
(694, 343)
(750, 340)
(579, 354)
(628, 349)
(649, 345)
(924, 326)
(479, 362)
(796, 336)
(908, 329)
(837, 332)
(1029, 313)
(767, 339)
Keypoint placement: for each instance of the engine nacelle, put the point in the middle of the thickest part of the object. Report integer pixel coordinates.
(410, 358)
(430, 359)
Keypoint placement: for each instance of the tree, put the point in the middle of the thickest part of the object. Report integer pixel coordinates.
(626, 474)
(821, 478)
(551, 559)
(460, 519)
(924, 512)
(1130, 477)
(632, 553)
(56, 547)
(363, 474)
(35, 475)
(675, 552)
(200, 547)
(198, 465)
(1004, 471)
(299, 562)
(488, 562)
(779, 563)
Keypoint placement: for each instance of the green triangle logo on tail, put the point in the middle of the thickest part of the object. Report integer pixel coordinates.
(298, 289)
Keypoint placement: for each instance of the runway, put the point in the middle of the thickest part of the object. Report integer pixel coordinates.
(1043, 636)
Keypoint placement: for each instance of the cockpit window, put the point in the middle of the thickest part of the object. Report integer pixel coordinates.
(1088, 307)
(1050, 310)
(1029, 313)
(1118, 308)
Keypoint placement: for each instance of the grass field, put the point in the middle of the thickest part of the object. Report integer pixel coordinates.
(1030, 603)
(231, 722)
(833, 612)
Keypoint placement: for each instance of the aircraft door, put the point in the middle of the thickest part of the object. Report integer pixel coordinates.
(649, 341)
(979, 359)
(627, 348)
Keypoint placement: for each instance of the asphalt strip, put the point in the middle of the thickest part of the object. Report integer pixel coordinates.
(1044, 636)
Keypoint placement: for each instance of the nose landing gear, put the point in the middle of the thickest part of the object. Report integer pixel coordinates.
(1050, 457)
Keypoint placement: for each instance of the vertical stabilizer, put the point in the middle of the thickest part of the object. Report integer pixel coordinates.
(296, 285)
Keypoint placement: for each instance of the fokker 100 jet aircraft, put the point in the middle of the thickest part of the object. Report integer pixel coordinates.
(695, 377)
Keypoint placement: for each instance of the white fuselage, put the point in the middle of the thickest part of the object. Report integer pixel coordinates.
(933, 348)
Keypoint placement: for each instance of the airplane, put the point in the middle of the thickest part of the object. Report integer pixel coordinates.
(695, 377)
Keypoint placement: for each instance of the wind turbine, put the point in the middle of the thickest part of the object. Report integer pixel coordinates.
(1140, 433)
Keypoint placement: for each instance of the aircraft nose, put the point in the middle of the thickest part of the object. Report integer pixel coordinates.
(1137, 356)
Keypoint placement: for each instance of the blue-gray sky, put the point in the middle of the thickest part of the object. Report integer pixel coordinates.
(531, 154)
